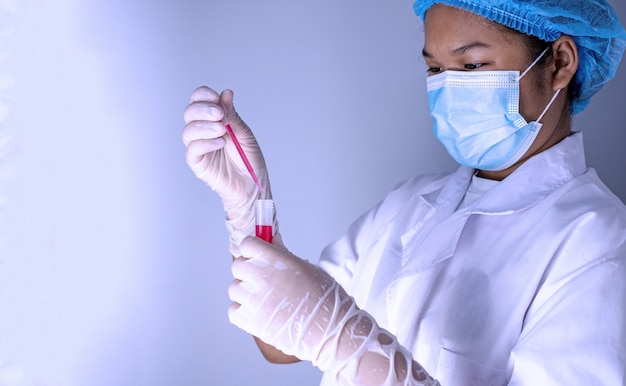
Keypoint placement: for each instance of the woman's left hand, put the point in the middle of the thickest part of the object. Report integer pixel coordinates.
(299, 309)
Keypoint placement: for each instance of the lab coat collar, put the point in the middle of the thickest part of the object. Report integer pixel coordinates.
(442, 204)
(535, 179)
(530, 183)
(448, 198)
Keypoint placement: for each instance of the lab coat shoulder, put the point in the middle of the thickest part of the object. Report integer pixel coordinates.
(574, 331)
(591, 221)
(339, 258)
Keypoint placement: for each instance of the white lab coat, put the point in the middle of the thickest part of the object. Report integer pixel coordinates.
(525, 286)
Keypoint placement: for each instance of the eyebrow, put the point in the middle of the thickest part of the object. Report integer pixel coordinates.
(460, 50)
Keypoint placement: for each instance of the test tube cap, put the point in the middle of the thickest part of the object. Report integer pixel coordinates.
(264, 211)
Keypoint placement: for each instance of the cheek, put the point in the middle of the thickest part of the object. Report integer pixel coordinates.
(532, 96)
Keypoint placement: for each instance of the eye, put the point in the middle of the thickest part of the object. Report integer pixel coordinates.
(433, 70)
(473, 66)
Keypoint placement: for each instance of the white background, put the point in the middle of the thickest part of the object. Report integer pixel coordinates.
(113, 256)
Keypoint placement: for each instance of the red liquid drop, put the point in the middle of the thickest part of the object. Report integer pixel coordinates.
(264, 232)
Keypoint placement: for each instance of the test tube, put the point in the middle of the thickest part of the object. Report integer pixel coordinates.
(264, 212)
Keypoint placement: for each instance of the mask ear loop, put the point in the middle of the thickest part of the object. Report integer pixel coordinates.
(556, 94)
(534, 63)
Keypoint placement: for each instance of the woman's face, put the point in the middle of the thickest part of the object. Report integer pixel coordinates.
(461, 41)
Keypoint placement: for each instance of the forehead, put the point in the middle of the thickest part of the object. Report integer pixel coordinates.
(447, 27)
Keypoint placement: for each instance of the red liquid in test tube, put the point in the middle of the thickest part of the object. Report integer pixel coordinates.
(264, 211)
(264, 232)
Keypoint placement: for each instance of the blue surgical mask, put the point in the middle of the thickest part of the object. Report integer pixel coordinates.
(477, 117)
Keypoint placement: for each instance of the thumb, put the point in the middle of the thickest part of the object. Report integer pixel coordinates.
(252, 247)
(277, 240)
(237, 124)
(226, 101)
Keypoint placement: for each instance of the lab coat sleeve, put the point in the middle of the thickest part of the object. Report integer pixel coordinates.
(575, 330)
(340, 258)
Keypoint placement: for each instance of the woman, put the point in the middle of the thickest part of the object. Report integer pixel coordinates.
(511, 270)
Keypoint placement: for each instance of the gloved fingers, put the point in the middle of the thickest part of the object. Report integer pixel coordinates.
(242, 292)
(195, 130)
(242, 314)
(241, 317)
(237, 317)
(243, 269)
(203, 111)
(204, 93)
(196, 151)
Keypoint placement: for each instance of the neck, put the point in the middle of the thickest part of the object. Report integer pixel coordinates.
(556, 127)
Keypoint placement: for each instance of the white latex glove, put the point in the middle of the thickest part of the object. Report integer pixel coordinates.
(298, 308)
(213, 158)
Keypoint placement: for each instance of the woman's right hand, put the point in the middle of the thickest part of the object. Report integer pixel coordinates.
(212, 156)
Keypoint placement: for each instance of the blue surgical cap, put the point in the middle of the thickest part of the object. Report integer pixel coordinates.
(592, 24)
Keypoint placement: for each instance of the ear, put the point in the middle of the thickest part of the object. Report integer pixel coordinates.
(565, 53)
